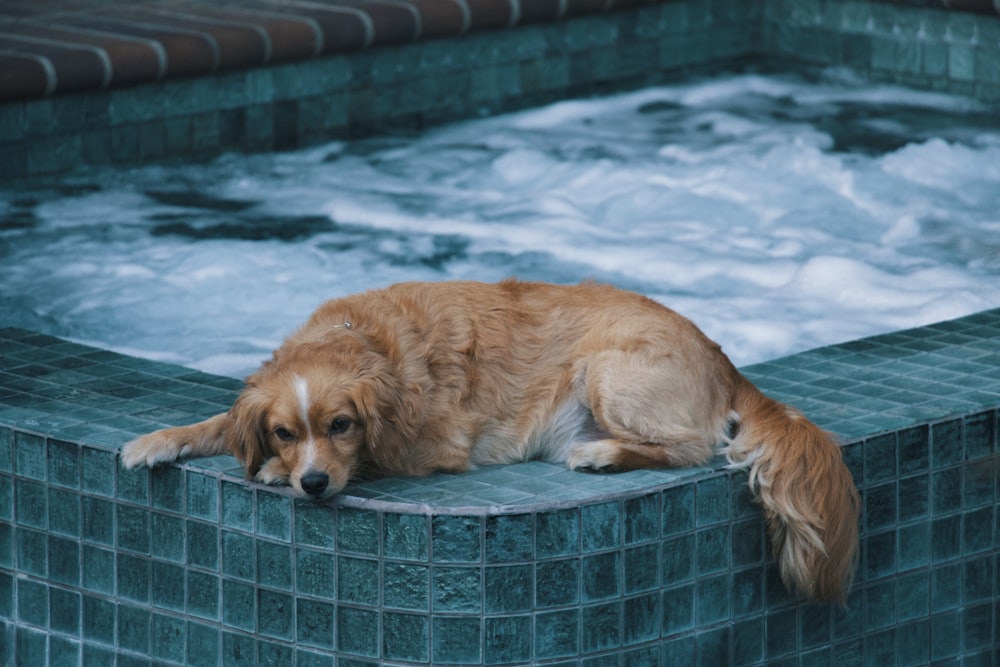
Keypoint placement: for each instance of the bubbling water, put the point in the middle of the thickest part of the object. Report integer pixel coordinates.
(779, 212)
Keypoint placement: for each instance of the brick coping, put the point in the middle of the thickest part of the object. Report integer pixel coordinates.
(50, 47)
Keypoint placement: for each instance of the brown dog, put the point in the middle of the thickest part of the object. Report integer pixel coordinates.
(421, 377)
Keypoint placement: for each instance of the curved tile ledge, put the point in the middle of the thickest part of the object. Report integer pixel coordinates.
(508, 565)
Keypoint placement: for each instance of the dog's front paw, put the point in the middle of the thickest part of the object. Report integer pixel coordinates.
(273, 472)
(153, 449)
(597, 456)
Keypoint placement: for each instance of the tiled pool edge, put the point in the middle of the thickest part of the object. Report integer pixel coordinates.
(401, 87)
(190, 564)
(389, 88)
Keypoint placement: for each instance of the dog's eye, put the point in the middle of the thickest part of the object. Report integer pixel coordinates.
(339, 425)
(284, 434)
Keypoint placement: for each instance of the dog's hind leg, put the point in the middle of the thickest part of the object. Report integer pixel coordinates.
(658, 411)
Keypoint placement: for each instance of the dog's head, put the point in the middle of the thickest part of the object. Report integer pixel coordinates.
(320, 412)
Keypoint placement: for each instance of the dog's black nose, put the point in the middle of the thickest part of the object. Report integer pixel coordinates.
(314, 483)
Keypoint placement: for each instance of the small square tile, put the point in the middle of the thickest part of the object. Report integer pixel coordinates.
(238, 556)
(912, 596)
(603, 627)
(98, 569)
(678, 609)
(406, 586)
(64, 560)
(712, 501)
(641, 619)
(203, 545)
(314, 623)
(678, 509)
(457, 589)
(406, 536)
(274, 515)
(99, 469)
(405, 636)
(600, 526)
(133, 577)
(239, 605)
(358, 580)
(357, 631)
(456, 539)
(642, 518)
(714, 594)
(168, 636)
(713, 549)
(880, 506)
(879, 555)
(167, 538)
(782, 633)
(357, 531)
(946, 633)
(274, 654)
(203, 595)
(33, 602)
(507, 640)
(274, 565)
(133, 485)
(32, 551)
(63, 463)
(31, 508)
(6, 449)
(64, 512)
(237, 506)
(133, 629)
(914, 546)
(914, 449)
(238, 650)
(678, 559)
(202, 644)
(880, 458)
(914, 498)
(98, 619)
(169, 588)
(314, 524)
(642, 568)
(601, 576)
(133, 528)
(509, 538)
(275, 614)
(63, 651)
(508, 589)
(168, 487)
(557, 533)
(557, 582)
(29, 455)
(456, 640)
(6, 546)
(202, 495)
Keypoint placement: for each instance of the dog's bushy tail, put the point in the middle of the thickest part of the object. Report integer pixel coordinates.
(809, 498)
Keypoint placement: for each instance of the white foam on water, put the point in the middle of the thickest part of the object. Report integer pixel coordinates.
(778, 212)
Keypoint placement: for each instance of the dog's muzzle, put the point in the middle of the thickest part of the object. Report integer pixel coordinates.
(315, 483)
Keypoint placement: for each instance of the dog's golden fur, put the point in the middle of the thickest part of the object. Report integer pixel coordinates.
(421, 377)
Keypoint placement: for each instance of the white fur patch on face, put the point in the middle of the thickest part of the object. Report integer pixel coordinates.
(308, 459)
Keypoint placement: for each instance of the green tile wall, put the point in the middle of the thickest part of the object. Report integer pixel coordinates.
(387, 88)
(410, 86)
(192, 565)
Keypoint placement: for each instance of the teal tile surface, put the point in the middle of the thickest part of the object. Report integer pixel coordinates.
(515, 564)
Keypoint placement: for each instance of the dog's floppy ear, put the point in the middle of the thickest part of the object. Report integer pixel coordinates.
(389, 418)
(247, 434)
